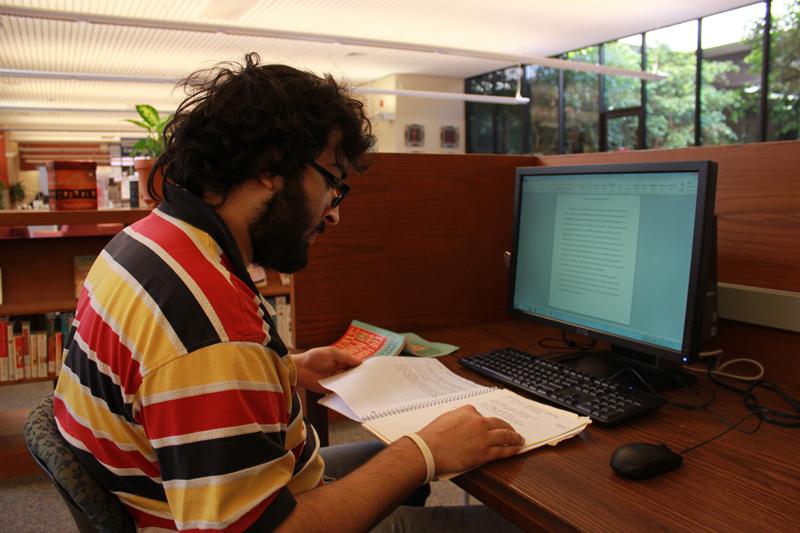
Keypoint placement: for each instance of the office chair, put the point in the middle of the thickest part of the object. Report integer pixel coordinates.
(93, 508)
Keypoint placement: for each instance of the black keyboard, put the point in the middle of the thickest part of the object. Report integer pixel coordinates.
(600, 399)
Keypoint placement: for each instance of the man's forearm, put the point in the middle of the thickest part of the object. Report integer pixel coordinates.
(362, 498)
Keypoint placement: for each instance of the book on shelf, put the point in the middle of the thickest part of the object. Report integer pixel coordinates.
(40, 339)
(53, 343)
(4, 349)
(32, 359)
(26, 354)
(81, 264)
(365, 340)
(25, 328)
(19, 357)
(282, 317)
(395, 396)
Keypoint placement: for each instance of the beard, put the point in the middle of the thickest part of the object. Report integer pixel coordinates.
(281, 232)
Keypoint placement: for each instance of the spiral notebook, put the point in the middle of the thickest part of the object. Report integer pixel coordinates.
(395, 396)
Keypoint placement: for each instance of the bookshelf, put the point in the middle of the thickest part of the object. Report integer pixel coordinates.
(37, 278)
(274, 286)
(37, 271)
(276, 289)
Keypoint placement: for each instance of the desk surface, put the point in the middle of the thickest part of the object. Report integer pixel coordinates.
(736, 483)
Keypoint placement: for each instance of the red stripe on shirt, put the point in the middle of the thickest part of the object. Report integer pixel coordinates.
(105, 343)
(104, 450)
(237, 325)
(213, 411)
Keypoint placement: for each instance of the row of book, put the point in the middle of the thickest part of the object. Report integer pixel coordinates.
(33, 347)
(283, 317)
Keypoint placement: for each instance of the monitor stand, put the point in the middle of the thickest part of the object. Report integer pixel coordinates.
(621, 365)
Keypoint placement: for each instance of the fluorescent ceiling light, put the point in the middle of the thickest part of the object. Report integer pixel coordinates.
(40, 109)
(20, 73)
(437, 95)
(80, 76)
(136, 22)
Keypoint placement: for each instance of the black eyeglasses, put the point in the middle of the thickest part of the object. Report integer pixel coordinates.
(334, 181)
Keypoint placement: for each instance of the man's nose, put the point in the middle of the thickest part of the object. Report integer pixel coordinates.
(332, 216)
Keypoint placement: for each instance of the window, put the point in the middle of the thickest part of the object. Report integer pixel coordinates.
(783, 101)
(581, 110)
(671, 101)
(480, 128)
(543, 90)
(731, 75)
(496, 128)
(607, 112)
(623, 91)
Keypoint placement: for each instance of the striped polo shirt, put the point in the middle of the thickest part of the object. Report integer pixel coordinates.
(176, 391)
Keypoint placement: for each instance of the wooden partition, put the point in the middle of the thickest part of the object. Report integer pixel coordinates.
(419, 247)
(421, 239)
(758, 206)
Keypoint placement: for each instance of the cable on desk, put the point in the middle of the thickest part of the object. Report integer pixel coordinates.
(719, 370)
(726, 430)
(551, 344)
(565, 343)
(704, 406)
(788, 419)
(683, 384)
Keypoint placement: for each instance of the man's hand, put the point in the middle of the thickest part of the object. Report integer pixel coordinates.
(319, 363)
(463, 439)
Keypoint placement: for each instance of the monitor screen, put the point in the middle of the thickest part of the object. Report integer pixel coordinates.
(615, 251)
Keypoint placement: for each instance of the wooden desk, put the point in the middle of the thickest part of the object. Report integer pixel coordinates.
(736, 483)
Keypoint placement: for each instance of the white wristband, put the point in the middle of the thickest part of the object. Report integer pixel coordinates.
(430, 465)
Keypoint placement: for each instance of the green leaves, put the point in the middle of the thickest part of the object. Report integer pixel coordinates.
(149, 115)
(155, 143)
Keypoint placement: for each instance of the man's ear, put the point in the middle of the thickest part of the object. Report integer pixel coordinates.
(272, 182)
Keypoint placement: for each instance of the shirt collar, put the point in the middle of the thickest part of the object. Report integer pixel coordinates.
(182, 204)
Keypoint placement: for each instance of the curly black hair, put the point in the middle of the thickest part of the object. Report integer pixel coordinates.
(245, 120)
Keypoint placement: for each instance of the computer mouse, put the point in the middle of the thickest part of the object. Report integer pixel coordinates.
(641, 460)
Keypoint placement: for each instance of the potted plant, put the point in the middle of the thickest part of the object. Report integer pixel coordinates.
(147, 150)
(16, 194)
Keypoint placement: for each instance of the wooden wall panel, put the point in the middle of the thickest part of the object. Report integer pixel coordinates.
(758, 206)
(419, 246)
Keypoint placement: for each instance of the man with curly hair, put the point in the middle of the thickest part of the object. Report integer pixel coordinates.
(178, 394)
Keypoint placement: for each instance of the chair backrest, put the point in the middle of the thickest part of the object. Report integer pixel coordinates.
(92, 507)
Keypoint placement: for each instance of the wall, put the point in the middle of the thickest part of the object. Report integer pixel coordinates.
(3, 159)
(421, 239)
(390, 114)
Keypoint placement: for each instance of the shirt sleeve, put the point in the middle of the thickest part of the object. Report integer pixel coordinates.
(217, 420)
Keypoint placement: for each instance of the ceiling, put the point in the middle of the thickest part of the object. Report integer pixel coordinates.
(80, 65)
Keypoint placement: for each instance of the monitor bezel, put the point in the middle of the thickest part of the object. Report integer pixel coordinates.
(704, 214)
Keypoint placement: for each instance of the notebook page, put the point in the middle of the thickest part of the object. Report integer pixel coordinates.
(380, 382)
(538, 423)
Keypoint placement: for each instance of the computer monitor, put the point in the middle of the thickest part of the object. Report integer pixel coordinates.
(622, 253)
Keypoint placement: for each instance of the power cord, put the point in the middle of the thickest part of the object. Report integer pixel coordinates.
(754, 411)
(726, 430)
(702, 405)
(789, 418)
(719, 370)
